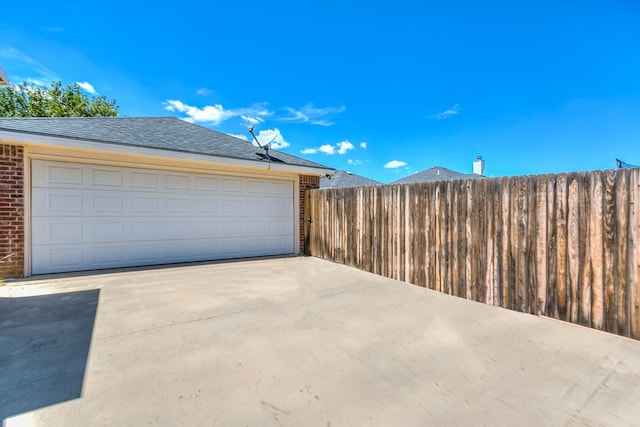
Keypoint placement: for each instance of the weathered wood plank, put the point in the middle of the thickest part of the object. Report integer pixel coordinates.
(429, 236)
(506, 279)
(634, 259)
(475, 239)
(482, 239)
(541, 246)
(468, 261)
(489, 275)
(596, 255)
(609, 252)
(442, 231)
(449, 240)
(573, 246)
(532, 267)
(455, 237)
(437, 219)
(552, 249)
(520, 218)
(622, 271)
(497, 221)
(584, 286)
(561, 246)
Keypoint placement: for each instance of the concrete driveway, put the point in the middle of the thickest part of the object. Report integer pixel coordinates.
(295, 341)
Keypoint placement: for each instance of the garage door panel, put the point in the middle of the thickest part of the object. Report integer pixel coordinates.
(207, 206)
(144, 230)
(178, 182)
(88, 216)
(282, 244)
(104, 256)
(145, 180)
(144, 253)
(58, 175)
(106, 203)
(107, 177)
(233, 185)
(107, 230)
(207, 184)
(177, 205)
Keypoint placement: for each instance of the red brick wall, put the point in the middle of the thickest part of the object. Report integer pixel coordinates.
(11, 210)
(307, 182)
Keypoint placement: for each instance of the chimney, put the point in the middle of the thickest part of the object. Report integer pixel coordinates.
(478, 166)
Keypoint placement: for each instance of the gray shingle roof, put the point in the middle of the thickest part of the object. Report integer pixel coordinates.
(341, 179)
(436, 173)
(164, 133)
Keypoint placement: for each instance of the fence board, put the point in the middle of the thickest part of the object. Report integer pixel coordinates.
(573, 245)
(595, 237)
(622, 230)
(552, 232)
(634, 261)
(507, 278)
(584, 284)
(541, 246)
(561, 244)
(609, 252)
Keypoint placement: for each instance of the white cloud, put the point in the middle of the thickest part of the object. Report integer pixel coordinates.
(25, 69)
(203, 91)
(313, 115)
(240, 136)
(216, 114)
(354, 162)
(88, 87)
(447, 113)
(345, 146)
(327, 149)
(363, 144)
(209, 114)
(341, 148)
(395, 164)
(272, 137)
(251, 120)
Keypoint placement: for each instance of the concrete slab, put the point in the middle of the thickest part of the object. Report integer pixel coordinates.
(297, 341)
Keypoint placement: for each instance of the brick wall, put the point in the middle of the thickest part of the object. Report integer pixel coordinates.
(307, 182)
(11, 210)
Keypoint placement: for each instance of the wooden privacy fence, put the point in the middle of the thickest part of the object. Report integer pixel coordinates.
(565, 246)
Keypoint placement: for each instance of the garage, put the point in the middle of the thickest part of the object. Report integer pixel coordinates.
(89, 216)
(92, 193)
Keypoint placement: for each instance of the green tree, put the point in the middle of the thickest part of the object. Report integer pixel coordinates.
(27, 100)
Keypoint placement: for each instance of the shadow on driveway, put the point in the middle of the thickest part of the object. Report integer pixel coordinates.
(44, 345)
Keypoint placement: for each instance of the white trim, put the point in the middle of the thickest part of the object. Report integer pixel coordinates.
(26, 213)
(296, 212)
(143, 163)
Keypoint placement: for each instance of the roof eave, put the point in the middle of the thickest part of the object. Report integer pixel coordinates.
(37, 139)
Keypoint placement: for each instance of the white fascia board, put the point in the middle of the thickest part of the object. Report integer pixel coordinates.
(60, 142)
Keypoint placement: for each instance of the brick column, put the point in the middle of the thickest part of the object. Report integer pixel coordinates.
(11, 210)
(307, 182)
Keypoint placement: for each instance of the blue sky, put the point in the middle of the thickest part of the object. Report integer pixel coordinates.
(382, 89)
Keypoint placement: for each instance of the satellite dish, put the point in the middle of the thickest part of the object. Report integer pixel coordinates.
(265, 147)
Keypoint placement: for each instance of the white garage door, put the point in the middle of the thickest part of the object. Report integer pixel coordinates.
(87, 217)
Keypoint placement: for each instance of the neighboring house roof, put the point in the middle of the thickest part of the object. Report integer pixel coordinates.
(341, 179)
(436, 173)
(164, 133)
